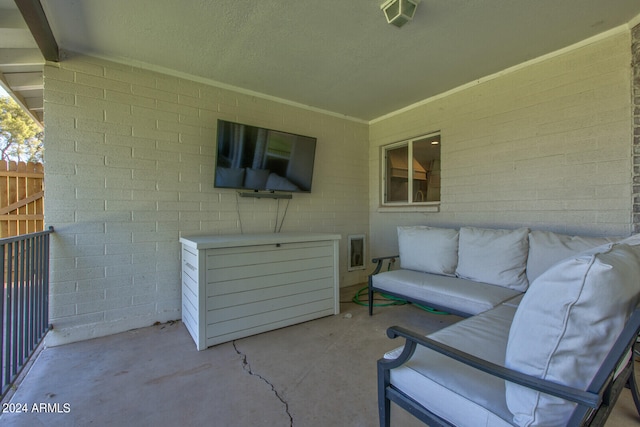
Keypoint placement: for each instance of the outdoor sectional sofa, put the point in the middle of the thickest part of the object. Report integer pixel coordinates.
(550, 325)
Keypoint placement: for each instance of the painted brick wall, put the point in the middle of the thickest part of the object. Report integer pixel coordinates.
(129, 160)
(546, 145)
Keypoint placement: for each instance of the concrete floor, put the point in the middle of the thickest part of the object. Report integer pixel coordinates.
(319, 373)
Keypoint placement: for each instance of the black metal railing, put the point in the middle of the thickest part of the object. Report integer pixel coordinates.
(24, 306)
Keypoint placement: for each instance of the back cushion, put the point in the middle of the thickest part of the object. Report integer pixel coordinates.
(566, 324)
(497, 257)
(632, 240)
(229, 177)
(547, 248)
(428, 249)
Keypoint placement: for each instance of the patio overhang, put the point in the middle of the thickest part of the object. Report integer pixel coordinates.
(26, 42)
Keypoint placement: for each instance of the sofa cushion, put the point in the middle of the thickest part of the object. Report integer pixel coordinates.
(428, 249)
(453, 293)
(256, 178)
(547, 248)
(462, 395)
(632, 240)
(277, 182)
(229, 177)
(498, 257)
(566, 323)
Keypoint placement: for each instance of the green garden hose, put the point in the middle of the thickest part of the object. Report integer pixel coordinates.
(391, 300)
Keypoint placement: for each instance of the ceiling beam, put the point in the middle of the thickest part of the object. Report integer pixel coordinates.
(38, 24)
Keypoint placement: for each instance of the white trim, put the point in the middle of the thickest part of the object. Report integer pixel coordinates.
(433, 207)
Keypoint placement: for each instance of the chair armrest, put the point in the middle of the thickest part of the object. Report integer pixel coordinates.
(380, 260)
(412, 339)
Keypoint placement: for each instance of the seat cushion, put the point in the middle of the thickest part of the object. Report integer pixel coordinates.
(497, 257)
(565, 325)
(547, 248)
(452, 390)
(428, 249)
(454, 293)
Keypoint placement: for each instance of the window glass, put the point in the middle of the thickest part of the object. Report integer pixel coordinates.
(412, 171)
(397, 174)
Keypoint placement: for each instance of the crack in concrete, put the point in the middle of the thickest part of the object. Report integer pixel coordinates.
(247, 367)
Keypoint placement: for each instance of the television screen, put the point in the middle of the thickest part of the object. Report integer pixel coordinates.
(255, 158)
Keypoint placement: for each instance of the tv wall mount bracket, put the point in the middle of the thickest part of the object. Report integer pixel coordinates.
(265, 194)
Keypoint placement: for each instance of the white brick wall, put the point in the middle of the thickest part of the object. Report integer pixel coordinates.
(129, 168)
(547, 146)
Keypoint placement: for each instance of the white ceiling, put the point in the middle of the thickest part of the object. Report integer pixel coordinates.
(336, 55)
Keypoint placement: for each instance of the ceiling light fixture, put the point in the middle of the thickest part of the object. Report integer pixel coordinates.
(399, 12)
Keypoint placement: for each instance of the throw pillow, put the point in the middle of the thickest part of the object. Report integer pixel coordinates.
(497, 257)
(428, 249)
(566, 324)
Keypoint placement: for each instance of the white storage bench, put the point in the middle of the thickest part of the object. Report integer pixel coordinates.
(234, 286)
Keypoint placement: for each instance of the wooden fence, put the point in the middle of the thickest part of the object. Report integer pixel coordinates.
(21, 198)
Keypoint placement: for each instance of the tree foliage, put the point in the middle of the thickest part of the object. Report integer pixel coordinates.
(21, 139)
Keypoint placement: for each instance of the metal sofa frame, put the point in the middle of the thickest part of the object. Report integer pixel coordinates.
(593, 404)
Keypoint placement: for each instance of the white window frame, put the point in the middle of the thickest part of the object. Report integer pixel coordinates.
(409, 204)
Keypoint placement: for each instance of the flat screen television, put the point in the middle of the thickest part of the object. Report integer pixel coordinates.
(260, 159)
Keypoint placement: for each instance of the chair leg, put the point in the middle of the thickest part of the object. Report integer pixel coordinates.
(384, 404)
(370, 290)
(385, 414)
(633, 386)
(370, 301)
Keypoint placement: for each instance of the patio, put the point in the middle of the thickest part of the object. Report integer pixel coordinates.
(317, 373)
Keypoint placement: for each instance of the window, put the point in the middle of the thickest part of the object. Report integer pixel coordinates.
(418, 158)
